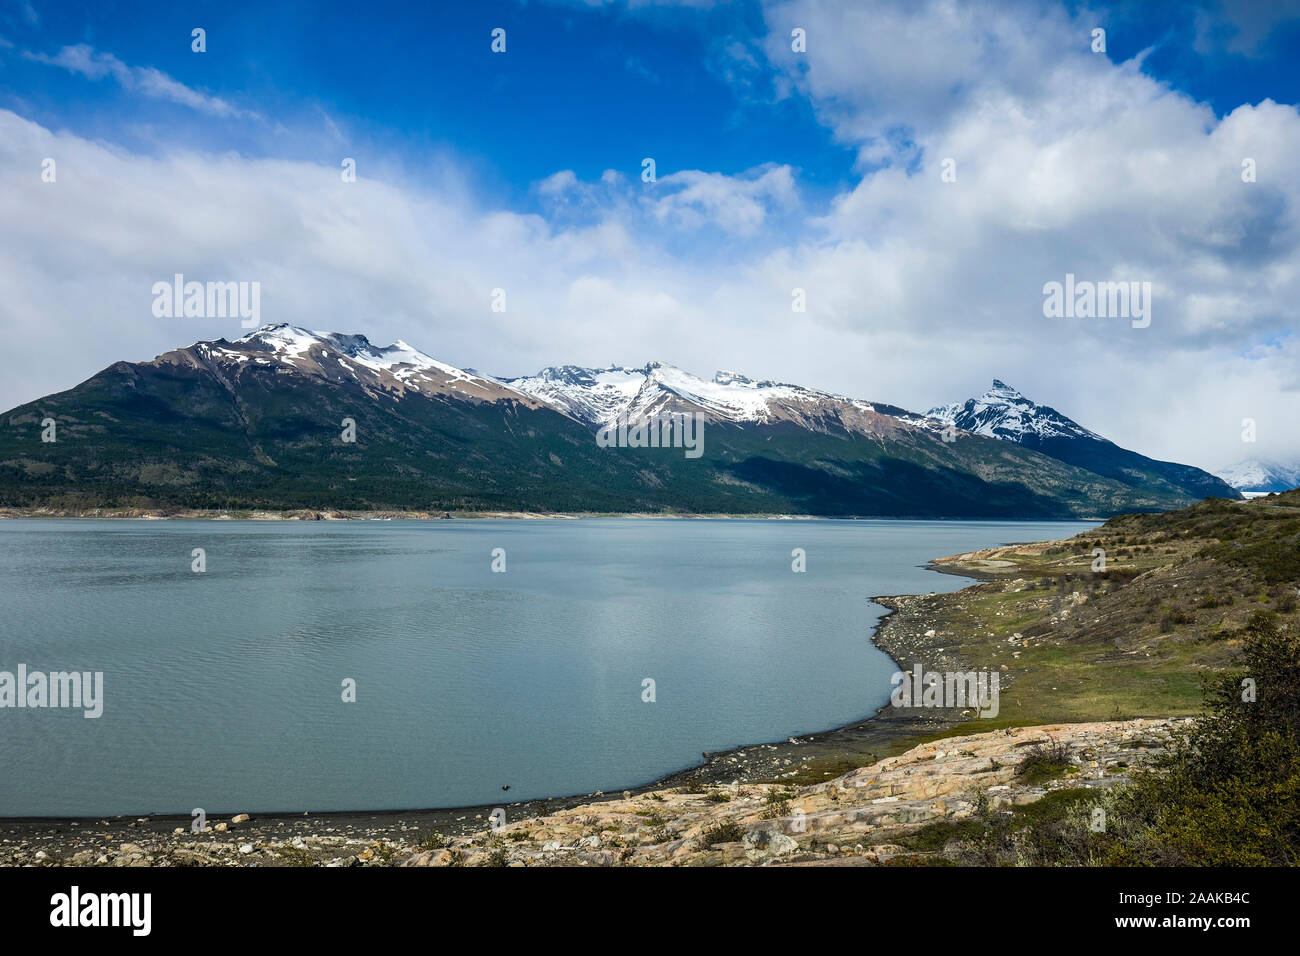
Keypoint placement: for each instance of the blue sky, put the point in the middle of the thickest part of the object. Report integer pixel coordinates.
(580, 87)
(817, 170)
(583, 87)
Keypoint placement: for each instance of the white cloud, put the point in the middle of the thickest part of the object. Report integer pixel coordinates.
(684, 201)
(735, 204)
(1065, 162)
(146, 80)
(557, 184)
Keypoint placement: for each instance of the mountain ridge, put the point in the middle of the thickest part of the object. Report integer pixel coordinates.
(259, 422)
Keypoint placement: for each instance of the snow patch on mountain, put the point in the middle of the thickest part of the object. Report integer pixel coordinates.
(1003, 412)
(1261, 475)
(288, 342)
(602, 396)
(593, 396)
(294, 346)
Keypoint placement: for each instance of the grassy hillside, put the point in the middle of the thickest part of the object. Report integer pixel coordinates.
(1177, 599)
(1192, 604)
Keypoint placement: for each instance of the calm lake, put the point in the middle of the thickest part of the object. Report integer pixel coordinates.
(223, 689)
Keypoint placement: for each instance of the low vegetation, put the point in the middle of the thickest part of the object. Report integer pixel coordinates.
(1195, 613)
(1226, 794)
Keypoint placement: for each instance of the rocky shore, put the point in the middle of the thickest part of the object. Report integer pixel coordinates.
(858, 818)
(864, 817)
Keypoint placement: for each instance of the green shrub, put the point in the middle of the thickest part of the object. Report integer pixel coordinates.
(777, 804)
(1227, 793)
(729, 832)
(1043, 762)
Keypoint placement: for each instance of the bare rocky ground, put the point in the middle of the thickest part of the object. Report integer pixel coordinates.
(852, 819)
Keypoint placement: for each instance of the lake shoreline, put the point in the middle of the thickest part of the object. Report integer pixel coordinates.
(813, 757)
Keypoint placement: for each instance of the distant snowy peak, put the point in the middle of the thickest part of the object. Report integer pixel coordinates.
(1261, 475)
(1002, 412)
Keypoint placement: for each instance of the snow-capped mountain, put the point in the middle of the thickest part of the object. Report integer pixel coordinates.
(285, 417)
(600, 396)
(1002, 412)
(1006, 414)
(593, 397)
(391, 371)
(1261, 476)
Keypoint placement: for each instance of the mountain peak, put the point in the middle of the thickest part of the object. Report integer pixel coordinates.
(731, 378)
(1004, 412)
(1004, 392)
(393, 370)
(616, 393)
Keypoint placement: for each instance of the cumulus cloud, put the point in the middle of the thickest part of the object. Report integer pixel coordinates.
(736, 204)
(78, 258)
